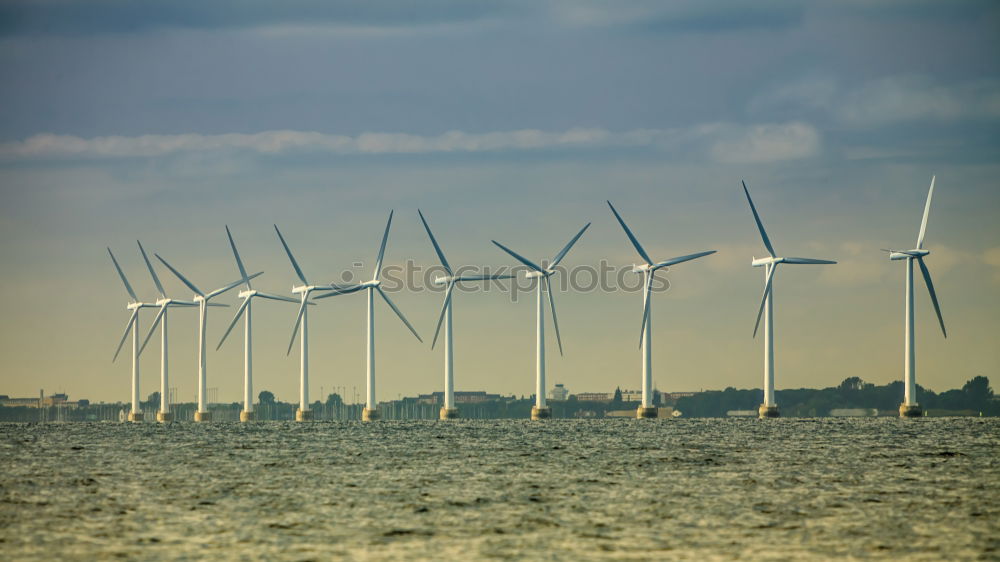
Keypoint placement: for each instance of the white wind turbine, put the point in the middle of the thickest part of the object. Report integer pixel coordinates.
(164, 303)
(543, 274)
(909, 407)
(648, 269)
(202, 299)
(246, 308)
(303, 290)
(133, 325)
(769, 409)
(448, 410)
(370, 412)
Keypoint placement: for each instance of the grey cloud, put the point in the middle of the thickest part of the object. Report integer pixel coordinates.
(78, 17)
(885, 101)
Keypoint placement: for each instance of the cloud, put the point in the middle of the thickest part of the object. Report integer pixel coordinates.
(677, 15)
(768, 143)
(104, 16)
(723, 142)
(886, 101)
(915, 98)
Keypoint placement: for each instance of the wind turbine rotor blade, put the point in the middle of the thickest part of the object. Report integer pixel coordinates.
(807, 261)
(763, 299)
(444, 308)
(344, 290)
(493, 277)
(381, 250)
(128, 327)
(552, 305)
(519, 257)
(646, 295)
(760, 225)
(927, 212)
(437, 248)
(214, 304)
(682, 259)
(398, 312)
(631, 237)
(291, 258)
(236, 254)
(152, 327)
(298, 321)
(930, 289)
(236, 318)
(152, 272)
(183, 279)
(276, 297)
(121, 274)
(562, 253)
(233, 285)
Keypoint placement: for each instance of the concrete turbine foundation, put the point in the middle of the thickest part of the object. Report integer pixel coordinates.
(542, 413)
(135, 416)
(203, 416)
(910, 411)
(164, 417)
(765, 411)
(246, 416)
(369, 415)
(303, 415)
(646, 413)
(448, 413)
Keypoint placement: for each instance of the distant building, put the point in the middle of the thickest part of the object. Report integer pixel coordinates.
(461, 397)
(594, 396)
(558, 392)
(58, 399)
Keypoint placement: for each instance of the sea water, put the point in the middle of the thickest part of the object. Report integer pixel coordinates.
(555, 490)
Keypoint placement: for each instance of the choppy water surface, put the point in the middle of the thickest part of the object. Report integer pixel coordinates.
(631, 489)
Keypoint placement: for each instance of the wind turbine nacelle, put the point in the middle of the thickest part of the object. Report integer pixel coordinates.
(300, 289)
(640, 268)
(441, 280)
(759, 262)
(533, 274)
(247, 294)
(908, 254)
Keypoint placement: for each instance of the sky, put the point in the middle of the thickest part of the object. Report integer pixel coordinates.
(513, 121)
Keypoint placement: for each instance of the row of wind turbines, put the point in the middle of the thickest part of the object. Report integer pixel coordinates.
(647, 268)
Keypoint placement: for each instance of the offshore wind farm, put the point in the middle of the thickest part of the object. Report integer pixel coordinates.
(379, 280)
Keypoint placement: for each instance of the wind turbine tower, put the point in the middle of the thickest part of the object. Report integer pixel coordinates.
(648, 270)
(202, 299)
(164, 303)
(540, 410)
(450, 280)
(370, 413)
(135, 415)
(302, 319)
(910, 408)
(248, 295)
(769, 409)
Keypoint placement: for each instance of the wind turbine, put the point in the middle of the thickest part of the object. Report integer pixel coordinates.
(375, 285)
(246, 308)
(202, 299)
(909, 408)
(769, 409)
(540, 411)
(303, 290)
(448, 410)
(648, 269)
(164, 302)
(133, 325)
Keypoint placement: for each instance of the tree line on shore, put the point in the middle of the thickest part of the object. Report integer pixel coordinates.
(976, 397)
